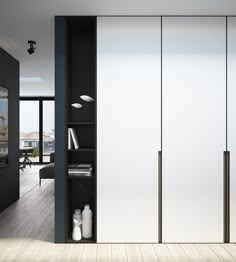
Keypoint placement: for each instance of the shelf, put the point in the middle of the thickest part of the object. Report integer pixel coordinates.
(71, 177)
(83, 240)
(80, 149)
(81, 123)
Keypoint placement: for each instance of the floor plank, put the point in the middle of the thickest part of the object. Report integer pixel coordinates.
(60, 252)
(163, 253)
(104, 253)
(89, 253)
(75, 253)
(192, 253)
(118, 253)
(133, 253)
(231, 248)
(178, 253)
(222, 253)
(148, 253)
(207, 253)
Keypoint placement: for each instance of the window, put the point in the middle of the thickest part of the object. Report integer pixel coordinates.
(37, 127)
(29, 127)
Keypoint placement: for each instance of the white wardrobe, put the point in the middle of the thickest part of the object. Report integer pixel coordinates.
(165, 84)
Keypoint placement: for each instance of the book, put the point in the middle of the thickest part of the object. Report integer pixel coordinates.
(80, 170)
(69, 139)
(74, 138)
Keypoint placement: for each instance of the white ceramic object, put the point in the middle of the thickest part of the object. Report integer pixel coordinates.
(76, 235)
(76, 105)
(87, 222)
(77, 215)
(87, 98)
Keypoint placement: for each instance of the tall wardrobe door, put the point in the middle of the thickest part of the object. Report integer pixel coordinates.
(128, 128)
(232, 121)
(194, 128)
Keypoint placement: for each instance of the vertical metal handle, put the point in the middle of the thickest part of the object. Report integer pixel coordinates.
(226, 196)
(160, 196)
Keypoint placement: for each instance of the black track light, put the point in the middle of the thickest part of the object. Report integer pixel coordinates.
(32, 47)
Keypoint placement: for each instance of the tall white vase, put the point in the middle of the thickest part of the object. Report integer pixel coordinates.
(87, 222)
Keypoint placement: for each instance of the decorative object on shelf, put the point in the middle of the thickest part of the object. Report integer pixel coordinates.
(73, 137)
(76, 105)
(76, 234)
(80, 170)
(77, 215)
(87, 222)
(87, 98)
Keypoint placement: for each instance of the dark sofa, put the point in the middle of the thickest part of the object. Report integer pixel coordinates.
(48, 171)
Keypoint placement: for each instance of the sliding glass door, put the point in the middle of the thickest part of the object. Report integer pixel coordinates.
(194, 128)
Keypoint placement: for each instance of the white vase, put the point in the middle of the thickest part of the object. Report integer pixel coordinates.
(87, 222)
(77, 215)
(76, 234)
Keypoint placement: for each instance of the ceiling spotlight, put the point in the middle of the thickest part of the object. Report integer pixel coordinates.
(32, 47)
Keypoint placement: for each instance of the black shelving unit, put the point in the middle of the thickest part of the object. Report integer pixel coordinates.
(75, 76)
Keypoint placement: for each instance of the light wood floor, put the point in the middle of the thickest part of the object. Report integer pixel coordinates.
(29, 178)
(27, 233)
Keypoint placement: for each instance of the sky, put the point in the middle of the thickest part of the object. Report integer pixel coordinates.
(29, 116)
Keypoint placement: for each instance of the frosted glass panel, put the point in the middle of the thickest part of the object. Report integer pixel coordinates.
(232, 121)
(128, 131)
(194, 133)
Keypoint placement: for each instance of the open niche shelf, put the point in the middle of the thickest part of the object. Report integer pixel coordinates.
(81, 121)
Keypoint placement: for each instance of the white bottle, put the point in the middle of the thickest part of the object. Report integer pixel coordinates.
(87, 222)
(76, 234)
(77, 215)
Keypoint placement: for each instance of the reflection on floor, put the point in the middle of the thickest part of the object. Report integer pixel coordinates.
(29, 178)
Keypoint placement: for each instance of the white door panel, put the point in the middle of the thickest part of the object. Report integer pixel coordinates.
(194, 133)
(128, 129)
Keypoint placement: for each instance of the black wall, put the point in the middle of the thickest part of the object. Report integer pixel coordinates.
(9, 176)
(61, 113)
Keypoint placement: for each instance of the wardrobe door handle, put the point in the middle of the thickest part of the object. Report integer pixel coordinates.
(226, 196)
(160, 196)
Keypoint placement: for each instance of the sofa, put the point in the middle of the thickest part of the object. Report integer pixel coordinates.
(48, 171)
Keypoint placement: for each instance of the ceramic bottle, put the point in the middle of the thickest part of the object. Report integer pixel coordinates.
(76, 234)
(77, 215)
(87, 222)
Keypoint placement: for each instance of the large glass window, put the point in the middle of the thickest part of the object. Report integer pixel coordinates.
(29, 128)
(37, 128)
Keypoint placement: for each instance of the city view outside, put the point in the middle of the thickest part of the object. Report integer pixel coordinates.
(29, 128)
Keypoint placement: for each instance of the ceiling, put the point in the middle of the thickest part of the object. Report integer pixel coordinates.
(23, 20)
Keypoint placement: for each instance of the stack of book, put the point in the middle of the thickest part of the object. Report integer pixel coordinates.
(80, 170)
